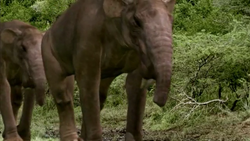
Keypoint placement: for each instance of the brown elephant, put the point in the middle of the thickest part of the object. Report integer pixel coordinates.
(21, 74)
(96, 49)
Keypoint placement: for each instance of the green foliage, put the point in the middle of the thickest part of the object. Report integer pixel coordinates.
(235, 6)
(40, 13)
(46, 12)
(15, 10)
(211, 61)
(116, 93)
(201, 15)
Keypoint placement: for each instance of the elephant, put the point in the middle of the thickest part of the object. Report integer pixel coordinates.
(87, 45)
(21, 75)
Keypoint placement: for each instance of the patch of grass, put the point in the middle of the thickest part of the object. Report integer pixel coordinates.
(173, 123)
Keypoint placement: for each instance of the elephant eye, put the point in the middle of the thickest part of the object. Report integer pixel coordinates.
(137, 21)
(23, 48)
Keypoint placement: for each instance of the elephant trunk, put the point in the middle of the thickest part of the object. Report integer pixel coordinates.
(40, 91)
(161, 57)
(38, 75)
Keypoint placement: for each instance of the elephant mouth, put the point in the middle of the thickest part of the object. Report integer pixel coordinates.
(29, 83)
(147, 71)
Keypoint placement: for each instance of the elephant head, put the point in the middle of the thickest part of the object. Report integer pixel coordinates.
(22, 46)
(147, 26)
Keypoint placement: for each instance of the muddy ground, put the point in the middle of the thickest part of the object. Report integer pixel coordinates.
(234, 132)
(119, 135)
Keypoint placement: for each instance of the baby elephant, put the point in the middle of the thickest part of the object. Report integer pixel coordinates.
(21, 74)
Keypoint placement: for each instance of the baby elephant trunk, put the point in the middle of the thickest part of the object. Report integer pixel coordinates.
(39, 80)
(40, 91)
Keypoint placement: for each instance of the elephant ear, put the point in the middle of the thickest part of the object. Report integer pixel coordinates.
(170, 5)
(43, 33)
(9, 35)
(113, 8)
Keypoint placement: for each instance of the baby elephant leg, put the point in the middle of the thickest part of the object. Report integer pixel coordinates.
(16, 99)
(10, 130)
(25, 122)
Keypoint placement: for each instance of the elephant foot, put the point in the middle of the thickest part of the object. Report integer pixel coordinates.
(129, 137)
(73, 137)
(11, 136)
(16, 138)
(24, 133)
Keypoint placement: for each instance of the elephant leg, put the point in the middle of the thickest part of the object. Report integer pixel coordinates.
(136, 106)
(10, 130)
(62, 91)
(104, 86)
(88, 75)
(90, 105)
(61, 88)
(25, 122)
(16, 99)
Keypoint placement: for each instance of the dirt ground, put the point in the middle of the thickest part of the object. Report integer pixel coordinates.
(234, 132)
(221, 128)
(239, 132)
(119, 135)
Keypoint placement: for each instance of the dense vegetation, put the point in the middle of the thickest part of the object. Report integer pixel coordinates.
(211, 75)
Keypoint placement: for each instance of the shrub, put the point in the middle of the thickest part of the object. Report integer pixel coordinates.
(201, 15)
(235, 6)
(204, 64)
(38, 13)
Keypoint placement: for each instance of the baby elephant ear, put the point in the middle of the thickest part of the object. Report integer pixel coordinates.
(170, 5)
(43, 33)
(8, 35)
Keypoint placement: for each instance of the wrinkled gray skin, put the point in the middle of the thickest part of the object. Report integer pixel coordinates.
(96, 49)
(21, 74)
(139, 43)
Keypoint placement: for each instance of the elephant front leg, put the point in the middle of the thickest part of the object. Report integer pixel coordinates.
(25, 122)
(136, 106)
(88, 75)
(10, 130)
(104, 86)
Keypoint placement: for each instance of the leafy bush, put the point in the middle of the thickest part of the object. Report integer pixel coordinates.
(45, 12)
(201, 15)
(204, 64)
(15, 10)
(38, 13)
(235, 6)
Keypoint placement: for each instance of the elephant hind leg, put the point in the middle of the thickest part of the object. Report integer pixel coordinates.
(16, 99)
(25, 122)
(62, 91)
(104, 86)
